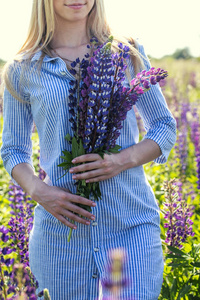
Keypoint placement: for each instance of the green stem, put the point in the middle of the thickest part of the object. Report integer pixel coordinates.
(70, 233)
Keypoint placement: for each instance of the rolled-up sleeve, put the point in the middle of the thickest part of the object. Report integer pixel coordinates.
(17, 127)
(158, 121)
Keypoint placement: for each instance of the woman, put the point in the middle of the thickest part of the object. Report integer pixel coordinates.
(37, 88)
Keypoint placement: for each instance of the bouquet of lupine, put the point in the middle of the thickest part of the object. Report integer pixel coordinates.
(98, 104)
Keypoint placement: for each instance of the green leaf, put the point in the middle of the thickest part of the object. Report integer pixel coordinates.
(174, 265)
(197, 248)
(165, 292)
(74, 148)
(83, 182)
(184, 291)
(66, 152)
(177, 251)
(174, 287)
(115, 149)
(63, 157)
(68, 137)
(81, 150)
(67, 155)
(67, 167)
(196, 264)
(101, 154)
(62, 164)
(105, 151)
(177, 257)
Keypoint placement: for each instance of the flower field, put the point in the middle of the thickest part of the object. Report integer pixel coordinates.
(176, 185)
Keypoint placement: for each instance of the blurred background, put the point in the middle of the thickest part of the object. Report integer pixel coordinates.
(170, 33)
(163, 27)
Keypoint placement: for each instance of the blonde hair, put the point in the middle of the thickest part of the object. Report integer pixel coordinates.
(41, 31)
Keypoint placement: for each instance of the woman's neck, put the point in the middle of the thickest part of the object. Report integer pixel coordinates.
(70, 35)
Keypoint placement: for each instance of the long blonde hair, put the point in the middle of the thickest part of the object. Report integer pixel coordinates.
(41, 31)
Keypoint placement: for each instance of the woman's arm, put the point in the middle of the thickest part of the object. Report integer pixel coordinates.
(158, 121)
(16, 153)
(58, 201)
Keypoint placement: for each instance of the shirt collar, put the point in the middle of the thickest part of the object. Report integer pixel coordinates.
(46, 58)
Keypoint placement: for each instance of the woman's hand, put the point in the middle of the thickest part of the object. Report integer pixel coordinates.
(95, 169)
(61, 203)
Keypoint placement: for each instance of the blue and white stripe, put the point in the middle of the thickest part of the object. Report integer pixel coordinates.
(128, 214)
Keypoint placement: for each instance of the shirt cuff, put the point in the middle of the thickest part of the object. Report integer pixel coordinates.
(164, 134)
(16, 160)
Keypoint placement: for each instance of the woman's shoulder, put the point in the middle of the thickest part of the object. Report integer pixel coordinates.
(139, 45)
(24, 58)
(21, 63)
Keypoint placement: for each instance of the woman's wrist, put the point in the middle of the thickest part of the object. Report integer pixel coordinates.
(139, 154)
(26, 178)
(36, 188)
(126, 158)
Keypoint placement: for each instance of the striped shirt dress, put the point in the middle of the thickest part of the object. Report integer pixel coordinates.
(126, 217)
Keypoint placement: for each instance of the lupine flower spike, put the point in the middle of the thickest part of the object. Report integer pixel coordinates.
(177, 214)
(116, 281)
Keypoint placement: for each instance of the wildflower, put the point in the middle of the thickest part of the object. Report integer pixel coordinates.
(195, 136)
(178, 214)
(115, 280)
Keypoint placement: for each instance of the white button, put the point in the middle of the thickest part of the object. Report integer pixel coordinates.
(94, 275)
(63, 73)
(96, 249)
(94, 224)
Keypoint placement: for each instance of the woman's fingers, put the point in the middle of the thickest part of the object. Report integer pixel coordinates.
(86, 157)
(92, 169)
(88, 175)
(65, 222)
(78, 199)
(69, 213)
(87, 167)
(74, 208)
(61, 203)
(76, 218)
(68, 204)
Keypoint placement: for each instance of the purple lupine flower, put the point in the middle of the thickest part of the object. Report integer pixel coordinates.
(102, 88)
(41, 172)
(20, 224)
(181, 147)
(4, 233)
(99, 92)
(195, 136)
(22, 283)
(177, 214)
(15, 237)
(115, 281)
(16, 197)
(193, 79)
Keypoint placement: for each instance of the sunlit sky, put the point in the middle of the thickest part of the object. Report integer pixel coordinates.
(161, 26)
